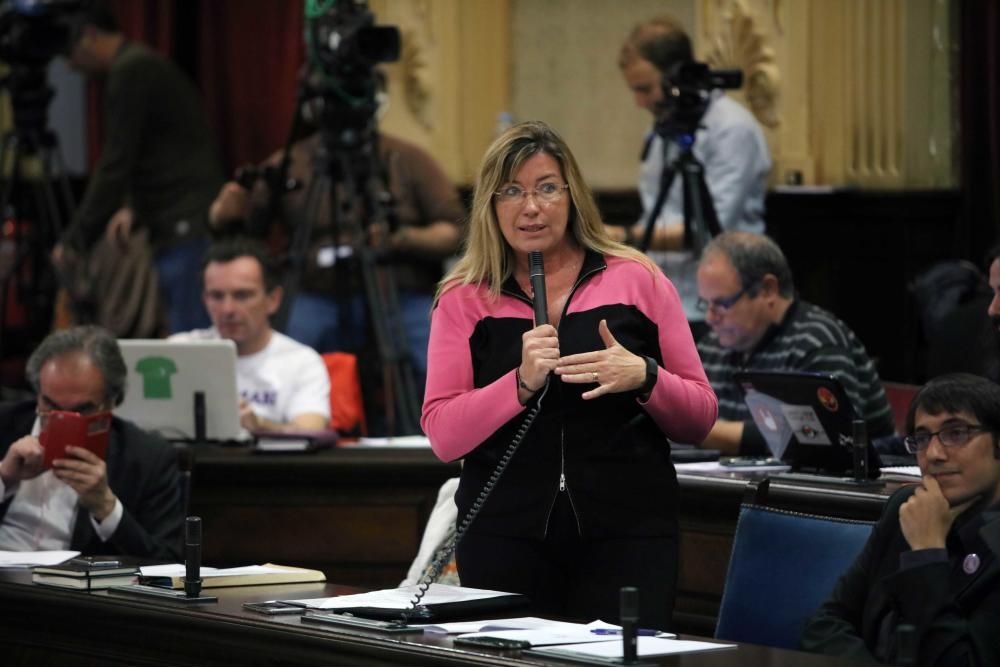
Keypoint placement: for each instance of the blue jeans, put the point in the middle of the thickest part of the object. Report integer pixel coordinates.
(315, 320)
(179, 273)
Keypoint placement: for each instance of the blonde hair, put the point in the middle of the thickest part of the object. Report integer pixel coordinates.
(488, 260)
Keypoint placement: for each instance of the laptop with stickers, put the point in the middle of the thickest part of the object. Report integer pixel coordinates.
(173, 385)
(806, 419)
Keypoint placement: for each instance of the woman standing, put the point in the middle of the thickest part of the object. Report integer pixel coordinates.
(588, 502)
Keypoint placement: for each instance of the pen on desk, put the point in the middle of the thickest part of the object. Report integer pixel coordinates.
(642, 632)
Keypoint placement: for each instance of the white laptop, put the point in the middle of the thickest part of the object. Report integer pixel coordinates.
(163, 379)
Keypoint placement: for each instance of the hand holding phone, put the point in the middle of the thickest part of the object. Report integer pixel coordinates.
(63, 428)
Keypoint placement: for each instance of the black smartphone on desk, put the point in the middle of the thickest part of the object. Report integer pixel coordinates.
(274, 607)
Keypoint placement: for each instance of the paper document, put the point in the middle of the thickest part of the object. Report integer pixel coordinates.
(555, 632)
(398, 441)
(462, 627)
(647, 646)
(32, 558)
(401, 598)
(715, 466)
(901, 471)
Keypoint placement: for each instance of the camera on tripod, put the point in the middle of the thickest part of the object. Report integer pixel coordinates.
(344, 46)
(31, 35)
(687, 90)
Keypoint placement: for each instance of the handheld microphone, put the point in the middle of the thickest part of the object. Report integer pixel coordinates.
(629, 612)
(536, 274)
(192, 556)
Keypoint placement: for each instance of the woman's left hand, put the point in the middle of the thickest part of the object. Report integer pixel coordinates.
(614, 369)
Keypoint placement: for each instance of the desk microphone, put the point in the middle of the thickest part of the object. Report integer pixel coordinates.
(536, 274)
(629, 612)
(860, 450)
(192, 556)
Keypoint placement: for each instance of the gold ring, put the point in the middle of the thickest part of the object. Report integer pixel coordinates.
(595, 376)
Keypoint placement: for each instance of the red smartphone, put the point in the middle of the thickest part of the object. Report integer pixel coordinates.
(71, 428)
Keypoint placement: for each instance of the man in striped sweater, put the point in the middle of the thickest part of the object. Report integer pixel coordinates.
(746, 291)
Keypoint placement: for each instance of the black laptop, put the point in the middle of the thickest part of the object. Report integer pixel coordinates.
(807, 421)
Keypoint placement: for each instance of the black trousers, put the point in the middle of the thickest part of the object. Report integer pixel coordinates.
(570, 577)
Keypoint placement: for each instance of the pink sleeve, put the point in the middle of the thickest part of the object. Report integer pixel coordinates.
(457, 417)
(682, 402)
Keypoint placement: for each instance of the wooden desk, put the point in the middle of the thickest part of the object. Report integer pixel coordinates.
(355, 513)
(358, 515)
(40, 625)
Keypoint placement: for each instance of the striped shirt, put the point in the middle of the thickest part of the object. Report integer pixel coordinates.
(807, 339)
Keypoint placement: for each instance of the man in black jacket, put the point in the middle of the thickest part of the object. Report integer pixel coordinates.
(933, 560)
(127, 503)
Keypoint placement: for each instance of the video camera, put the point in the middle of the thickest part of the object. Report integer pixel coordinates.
(32, 33)
(687, 90)
(344, 46)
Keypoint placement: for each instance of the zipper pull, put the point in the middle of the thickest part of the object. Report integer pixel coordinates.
(562, 481)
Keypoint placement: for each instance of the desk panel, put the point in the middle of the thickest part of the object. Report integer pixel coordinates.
(356, 514)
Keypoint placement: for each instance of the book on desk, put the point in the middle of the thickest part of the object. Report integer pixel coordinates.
(172, 576)
(86, 574)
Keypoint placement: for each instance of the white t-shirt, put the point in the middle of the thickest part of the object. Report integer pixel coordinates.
(284, 380)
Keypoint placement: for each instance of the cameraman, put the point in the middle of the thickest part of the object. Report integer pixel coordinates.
(158, 167)
(728, 143)
(329, 309)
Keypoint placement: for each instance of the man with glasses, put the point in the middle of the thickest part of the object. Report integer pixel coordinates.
(932, 561)
(127, 503)
(746, 291)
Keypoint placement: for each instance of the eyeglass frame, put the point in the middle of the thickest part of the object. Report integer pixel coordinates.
(522, 199)
(723, 304)
(93, 409)
(970, 430)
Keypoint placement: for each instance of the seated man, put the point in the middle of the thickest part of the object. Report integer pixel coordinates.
(933, 561)
(128, 504)
(745, 289)
(283, 384)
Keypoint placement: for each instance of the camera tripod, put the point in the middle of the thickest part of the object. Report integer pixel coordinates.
(347, 172)
(701, 222)
(46, 201)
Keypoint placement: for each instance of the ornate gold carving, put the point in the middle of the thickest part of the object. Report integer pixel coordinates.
(738, 42)
(417, 88)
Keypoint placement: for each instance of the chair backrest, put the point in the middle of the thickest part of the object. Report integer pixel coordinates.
(347, 410)
(899, 396)
(783, 566)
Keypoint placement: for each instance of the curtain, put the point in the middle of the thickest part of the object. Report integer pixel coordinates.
(249, 55)
(980, 124)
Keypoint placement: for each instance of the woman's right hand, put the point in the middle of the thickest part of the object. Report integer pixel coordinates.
(539, 356)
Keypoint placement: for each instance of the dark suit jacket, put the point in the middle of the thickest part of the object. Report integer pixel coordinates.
(142, 473)
(956, 614)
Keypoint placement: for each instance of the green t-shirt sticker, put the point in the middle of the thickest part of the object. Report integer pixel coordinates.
(156, 372)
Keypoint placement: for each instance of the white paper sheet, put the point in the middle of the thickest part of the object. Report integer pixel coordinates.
(647, 646)
(400, 598)
(33, 558)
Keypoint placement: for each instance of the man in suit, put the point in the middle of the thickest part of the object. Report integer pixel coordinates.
(933, 560)
(129, 503)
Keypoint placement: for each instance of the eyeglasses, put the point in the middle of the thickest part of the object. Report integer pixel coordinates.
(722, 304)
(955, 435)
(547, 193)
